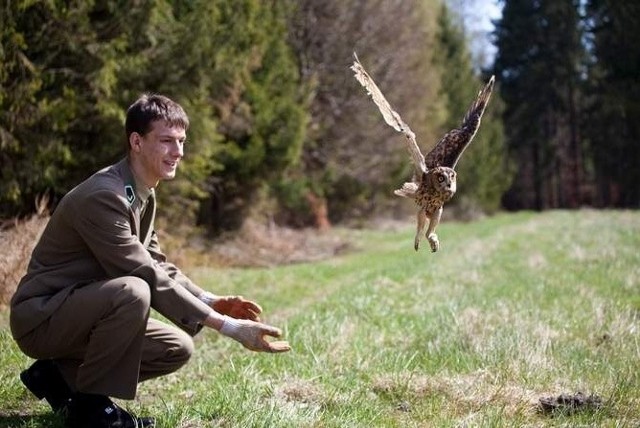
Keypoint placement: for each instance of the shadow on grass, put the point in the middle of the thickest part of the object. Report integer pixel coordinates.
(41, 420)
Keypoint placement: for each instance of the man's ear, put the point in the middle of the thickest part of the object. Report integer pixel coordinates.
(135, 142)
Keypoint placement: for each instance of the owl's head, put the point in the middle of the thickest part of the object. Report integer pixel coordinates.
(443, 180)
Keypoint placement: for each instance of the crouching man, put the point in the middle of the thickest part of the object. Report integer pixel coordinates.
(82, 309)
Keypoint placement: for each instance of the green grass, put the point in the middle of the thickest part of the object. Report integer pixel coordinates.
(511, 309)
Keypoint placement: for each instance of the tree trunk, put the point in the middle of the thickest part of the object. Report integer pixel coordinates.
(320, 212)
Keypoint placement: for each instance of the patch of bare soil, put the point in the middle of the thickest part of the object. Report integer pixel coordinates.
(570, 403)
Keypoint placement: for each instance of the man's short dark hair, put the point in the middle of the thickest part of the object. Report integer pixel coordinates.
(150, 108)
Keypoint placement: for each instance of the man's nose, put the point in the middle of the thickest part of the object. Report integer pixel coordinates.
(177, 149)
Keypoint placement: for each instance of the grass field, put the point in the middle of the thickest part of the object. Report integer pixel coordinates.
(511, 309)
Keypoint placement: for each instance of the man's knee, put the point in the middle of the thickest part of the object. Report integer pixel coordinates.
(183, 347)
(130, 292)
(166, 349)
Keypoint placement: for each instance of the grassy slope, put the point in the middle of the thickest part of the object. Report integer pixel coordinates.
(511, 309)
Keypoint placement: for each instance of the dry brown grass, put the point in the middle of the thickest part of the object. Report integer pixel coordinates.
(259, 244)
(465, 392)
(17, 239)
(256, 244)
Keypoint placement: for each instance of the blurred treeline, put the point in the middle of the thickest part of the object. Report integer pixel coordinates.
(280, 128)
(569, 73)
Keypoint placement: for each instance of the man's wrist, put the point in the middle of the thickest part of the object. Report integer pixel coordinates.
(208, 297)
(230, 327)
(214, 320)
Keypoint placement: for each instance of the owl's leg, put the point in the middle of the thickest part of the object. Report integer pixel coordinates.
(434, 220)
(422, 222)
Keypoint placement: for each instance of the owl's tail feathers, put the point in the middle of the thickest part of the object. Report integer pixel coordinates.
(408, 190)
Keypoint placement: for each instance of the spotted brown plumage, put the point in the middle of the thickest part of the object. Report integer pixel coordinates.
(434, 178)
(450, 147)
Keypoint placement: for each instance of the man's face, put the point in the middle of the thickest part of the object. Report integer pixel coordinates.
(159, 152)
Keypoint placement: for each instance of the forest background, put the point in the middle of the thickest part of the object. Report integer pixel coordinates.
(280, 130)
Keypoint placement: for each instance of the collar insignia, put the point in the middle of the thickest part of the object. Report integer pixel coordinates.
(129, 193)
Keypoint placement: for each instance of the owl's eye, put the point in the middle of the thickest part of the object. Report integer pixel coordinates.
(440, 179)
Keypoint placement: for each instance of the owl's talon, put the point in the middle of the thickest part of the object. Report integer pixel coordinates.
(434, 242)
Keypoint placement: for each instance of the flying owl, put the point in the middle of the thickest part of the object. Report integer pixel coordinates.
(434, 178)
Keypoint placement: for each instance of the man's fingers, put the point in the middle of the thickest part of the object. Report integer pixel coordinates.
(247, 314)
(253, 316)
(252, 306)
(243, 313)
(278, 346)
(238, 307)
(247, 304)
(275, 346)
(271, 331)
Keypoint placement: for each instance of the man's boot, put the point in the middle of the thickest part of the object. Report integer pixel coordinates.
(98, 411)
(44, 380)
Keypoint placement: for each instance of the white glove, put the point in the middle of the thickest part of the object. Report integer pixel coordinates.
(252, 334)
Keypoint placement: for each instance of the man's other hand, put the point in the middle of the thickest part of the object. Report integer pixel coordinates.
(252, 334)
(236, 307)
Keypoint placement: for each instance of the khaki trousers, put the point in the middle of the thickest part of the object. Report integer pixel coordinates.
(104, 342)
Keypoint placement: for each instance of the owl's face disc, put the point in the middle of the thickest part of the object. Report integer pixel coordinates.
(443, 180)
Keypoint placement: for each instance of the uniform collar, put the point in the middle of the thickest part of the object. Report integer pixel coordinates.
(134, 188)
(143, 191)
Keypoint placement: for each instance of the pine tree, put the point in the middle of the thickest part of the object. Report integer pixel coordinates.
(246, 71)
(58, 117)
(484, 169)
(539, 64)
(613, 119)
(69, 72)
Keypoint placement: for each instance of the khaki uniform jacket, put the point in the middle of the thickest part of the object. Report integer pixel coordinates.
(97, 232)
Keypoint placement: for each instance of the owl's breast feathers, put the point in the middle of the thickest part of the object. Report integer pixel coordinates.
(430, 198)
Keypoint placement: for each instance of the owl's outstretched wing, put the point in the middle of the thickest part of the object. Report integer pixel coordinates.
(389, 115)
(450, 147)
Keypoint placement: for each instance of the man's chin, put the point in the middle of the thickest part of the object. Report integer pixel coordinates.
(169, 176)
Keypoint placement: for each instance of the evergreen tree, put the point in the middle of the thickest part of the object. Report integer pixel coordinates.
(539, 65)
(484, 169)
(613, 119)
(239, 63)
(68, 73)
(56, 110)
(229, 65)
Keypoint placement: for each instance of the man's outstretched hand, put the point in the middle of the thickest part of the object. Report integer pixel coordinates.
(236, 307)
(252, 334)
(238, 318)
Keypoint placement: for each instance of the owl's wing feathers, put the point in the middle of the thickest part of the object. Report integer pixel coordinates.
(450, 147)
(390, 116)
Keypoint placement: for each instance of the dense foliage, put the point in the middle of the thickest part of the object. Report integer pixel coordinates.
(569, 77)
(279, 125)
(68, 73)
(612, 117)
